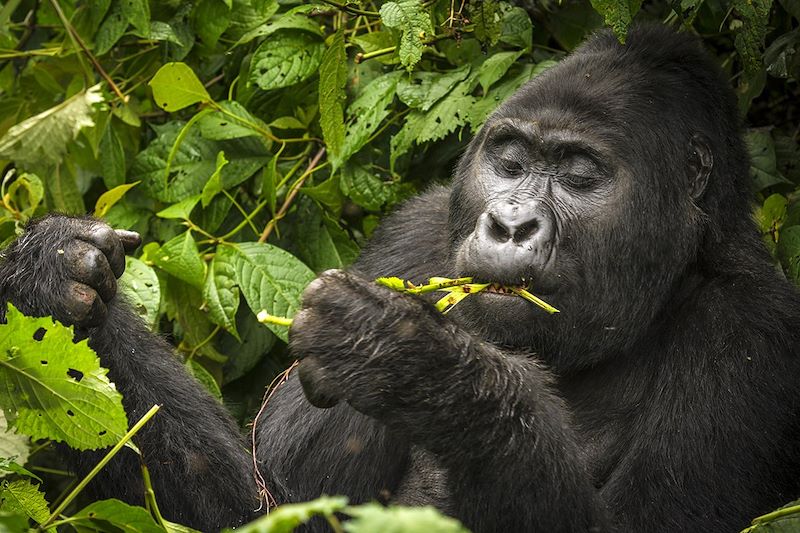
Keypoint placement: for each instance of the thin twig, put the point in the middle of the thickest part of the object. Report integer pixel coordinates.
(77, 38)
(351, 9)
(290, 197)
(264, 494)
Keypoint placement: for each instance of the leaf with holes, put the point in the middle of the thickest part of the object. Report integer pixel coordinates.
(142, 289)
(414, 21)
(114, 515)
(176, 86)
(270, 279)
(52, 388)
(286, 58)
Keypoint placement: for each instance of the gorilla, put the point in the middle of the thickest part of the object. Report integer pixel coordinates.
(663, 397)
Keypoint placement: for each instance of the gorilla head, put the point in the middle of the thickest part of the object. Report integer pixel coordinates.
(605, 184)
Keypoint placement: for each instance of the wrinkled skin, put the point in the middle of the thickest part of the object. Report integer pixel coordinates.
(663, 397)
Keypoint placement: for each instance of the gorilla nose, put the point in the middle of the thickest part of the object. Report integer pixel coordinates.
(512, 222)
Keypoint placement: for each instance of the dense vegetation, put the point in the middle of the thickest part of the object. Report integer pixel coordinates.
(254, 143)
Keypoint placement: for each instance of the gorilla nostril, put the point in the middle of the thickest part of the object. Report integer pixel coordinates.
(525, 231)
(497, 230)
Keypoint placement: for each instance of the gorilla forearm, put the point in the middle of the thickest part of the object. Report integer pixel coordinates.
(191, 447)
(503, 427)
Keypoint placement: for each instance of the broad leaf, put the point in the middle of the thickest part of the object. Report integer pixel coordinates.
(286, 58)
(142, 290)
(42, 139)
(375, 517)
(414, 23)
(111, 197)
(114, 515)
(332, 79)
(286, 518)
(618, 14)
(271, 279)
(23, 497)
(175, 86)
(220, 291)
(180, 257)
(12, 444)
(55, 389)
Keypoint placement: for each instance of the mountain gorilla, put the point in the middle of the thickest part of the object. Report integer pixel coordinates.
(663, 397)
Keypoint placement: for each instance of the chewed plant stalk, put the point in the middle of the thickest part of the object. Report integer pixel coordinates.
(456, 288)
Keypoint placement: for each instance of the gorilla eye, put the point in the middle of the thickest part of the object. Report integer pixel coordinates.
(512, 167)
(579, 172)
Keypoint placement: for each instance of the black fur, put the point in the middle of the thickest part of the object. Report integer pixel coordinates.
(662, 398)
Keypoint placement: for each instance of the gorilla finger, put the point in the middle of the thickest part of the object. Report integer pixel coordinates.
(130, 240)
(83, 306)
(109, 242)
(90, 266)
(314, 380)
(327, 285)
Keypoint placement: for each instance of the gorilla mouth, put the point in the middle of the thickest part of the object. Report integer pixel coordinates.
(505, 289)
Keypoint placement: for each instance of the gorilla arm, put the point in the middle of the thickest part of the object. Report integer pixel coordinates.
(201, 471)
(489, 417)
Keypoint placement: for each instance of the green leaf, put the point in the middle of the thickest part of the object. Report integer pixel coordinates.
(618, 14)
(285, 518)
(220, 291)
(271, 279)
(112, 158)
(763, 164)
(414, 23)
(181, 210)
(367, 113)
(442, 119)
(328, 193)
(495, 67)
(211, 19)
(204, 377)
(287, 21)
(42, 139)
(517, 28)
(423, 89)
(140, 286)
(109, 198)
(13, 446)
(231, 121)
(111, 30)
(175, 86)
(788, 252)
(32, 186)
(320, 242)
(487, 20)
(366, 188)
(256, 342)
(372, 517)
(286, 58)
(180, 257)
(332, 79)
(114, 515)
(54, 388)
(23, 497)
(214, 184)
(750, 36)
(137, 12)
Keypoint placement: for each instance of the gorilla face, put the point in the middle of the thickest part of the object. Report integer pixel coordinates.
(587, 199)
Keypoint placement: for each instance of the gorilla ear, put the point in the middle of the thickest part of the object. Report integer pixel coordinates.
(701, 161)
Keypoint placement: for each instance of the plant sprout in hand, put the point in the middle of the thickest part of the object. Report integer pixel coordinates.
(456, 288)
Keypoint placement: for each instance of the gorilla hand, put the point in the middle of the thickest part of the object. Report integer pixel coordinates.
(383, 352)
(67, 267)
